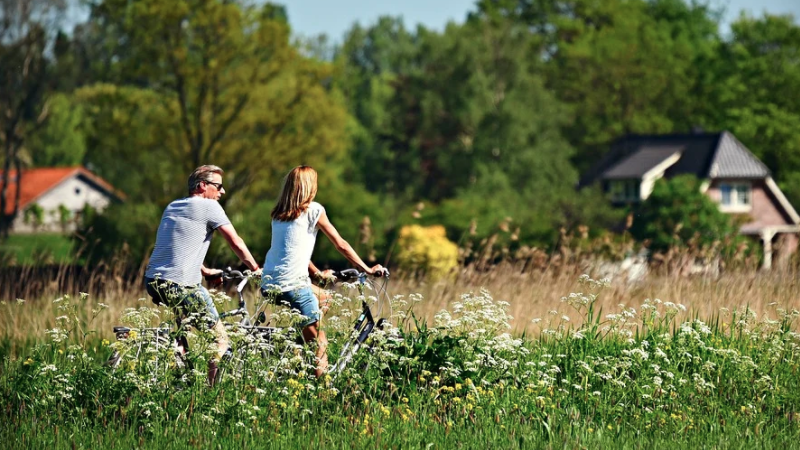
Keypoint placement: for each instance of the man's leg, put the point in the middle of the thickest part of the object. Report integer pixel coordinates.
(201, 299)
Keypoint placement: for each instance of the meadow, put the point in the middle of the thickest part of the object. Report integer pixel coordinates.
(500, 357)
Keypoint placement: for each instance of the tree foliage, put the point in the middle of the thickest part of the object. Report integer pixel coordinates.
(225, 85)
(25, 28)
(60, 142)
(677, 214)
(482, 126)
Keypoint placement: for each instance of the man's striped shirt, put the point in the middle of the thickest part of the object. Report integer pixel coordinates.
(183, 238)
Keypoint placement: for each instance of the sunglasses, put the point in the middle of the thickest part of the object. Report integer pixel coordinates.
(216, 185)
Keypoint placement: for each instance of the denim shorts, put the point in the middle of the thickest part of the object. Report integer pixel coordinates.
(186, 299)
(301, 299)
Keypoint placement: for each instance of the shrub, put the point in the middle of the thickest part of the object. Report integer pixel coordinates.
(677, 214)
(427, 249)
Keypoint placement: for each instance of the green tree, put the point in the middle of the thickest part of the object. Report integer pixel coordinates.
(125, 232)
(217, 82)
(677, 213)
(371, 63)
(623, 66)
(132, 140)
(461, 118)
(759, 98)
(61, 141)
(25, 28)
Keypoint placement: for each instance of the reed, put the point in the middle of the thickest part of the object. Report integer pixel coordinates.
(531, 294)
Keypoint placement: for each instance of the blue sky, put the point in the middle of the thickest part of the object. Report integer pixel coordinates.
(334, 17)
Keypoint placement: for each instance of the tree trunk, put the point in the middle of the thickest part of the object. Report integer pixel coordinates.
(6, 219)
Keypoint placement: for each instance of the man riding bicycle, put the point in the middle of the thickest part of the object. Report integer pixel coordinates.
(175, 270)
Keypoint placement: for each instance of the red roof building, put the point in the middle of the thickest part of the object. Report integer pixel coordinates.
(54, 189)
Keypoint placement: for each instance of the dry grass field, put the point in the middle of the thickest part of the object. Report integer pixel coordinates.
(533, 294)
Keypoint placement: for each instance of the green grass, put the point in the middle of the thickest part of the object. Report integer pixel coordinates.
(636, 378)
(36, 249)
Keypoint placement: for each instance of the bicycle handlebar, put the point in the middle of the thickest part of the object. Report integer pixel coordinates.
(352, 274)
(341, 275)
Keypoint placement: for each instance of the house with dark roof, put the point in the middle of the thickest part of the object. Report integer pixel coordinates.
(57, 192)
(731, 175)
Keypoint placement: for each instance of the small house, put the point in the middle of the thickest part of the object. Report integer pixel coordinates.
(731, 175)
(52, 199)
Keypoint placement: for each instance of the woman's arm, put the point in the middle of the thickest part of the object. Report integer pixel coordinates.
(343, 247)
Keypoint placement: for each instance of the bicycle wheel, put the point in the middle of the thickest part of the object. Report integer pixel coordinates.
(250, 355)
(361, 331)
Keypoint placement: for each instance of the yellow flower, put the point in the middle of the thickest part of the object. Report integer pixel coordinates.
(27, 362)
(106, 342)
(591, 430)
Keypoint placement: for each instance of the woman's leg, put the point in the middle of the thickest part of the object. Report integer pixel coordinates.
(305, 301)
(324, 297)
(312, 333)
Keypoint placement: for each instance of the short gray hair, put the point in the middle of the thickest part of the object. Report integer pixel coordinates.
(201, 174)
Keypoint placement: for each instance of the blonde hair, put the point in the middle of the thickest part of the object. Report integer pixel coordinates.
(299, 189)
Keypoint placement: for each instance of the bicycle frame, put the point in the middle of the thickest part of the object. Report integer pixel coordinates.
(365, 324)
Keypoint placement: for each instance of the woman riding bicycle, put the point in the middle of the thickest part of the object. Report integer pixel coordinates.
(288, 267)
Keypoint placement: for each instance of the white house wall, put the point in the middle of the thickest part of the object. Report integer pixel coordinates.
(74, 193)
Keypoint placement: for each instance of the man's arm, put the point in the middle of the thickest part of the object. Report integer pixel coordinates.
(206, 272)
(238, 246)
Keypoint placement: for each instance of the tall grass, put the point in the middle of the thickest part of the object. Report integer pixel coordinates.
(531, 295)
(641, 375)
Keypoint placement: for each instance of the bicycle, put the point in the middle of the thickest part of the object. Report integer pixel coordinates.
(261, 340)
(154, 340)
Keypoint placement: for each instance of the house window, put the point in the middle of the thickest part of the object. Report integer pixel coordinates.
(735, 196)
(77, 191)
(624, 190)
